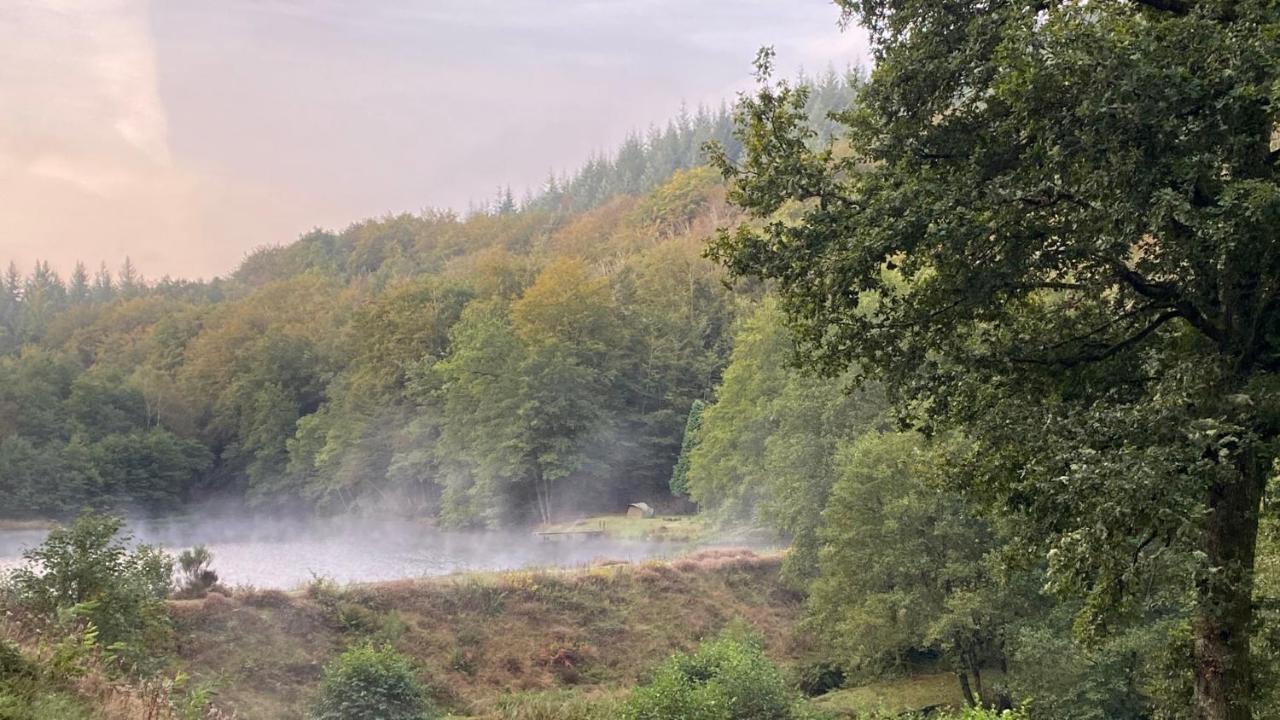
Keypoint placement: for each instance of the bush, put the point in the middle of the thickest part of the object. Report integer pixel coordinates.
(566, 658)
(1056, 677)
(262, 598)
(12, 663)
(198, 577)
(29, 691)
(371, 683)
(727, 678)
(818, 678)
(88, 571)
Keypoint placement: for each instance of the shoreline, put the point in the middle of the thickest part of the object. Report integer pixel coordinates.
(17, 525)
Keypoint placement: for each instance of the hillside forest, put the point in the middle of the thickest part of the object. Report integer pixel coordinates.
(522, 363)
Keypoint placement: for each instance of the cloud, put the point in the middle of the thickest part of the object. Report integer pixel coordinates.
(850, 47)
(185, 132)
(80, 93)
(86, 170)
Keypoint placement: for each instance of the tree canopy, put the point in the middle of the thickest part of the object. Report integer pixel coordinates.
(1064, 215)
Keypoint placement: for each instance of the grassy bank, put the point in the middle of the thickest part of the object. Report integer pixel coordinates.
(675, 528)
(896, 696)
(490, 645)
(26, 524)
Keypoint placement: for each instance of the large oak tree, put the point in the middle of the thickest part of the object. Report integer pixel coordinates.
(1066, 216)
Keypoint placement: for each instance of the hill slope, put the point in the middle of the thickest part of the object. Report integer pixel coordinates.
(480, 638)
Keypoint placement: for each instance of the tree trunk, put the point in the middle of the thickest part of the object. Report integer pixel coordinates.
(964, 688)
(540, 499)
(546, 494)
(978, 691)
(1223, 687)
(1004, 701)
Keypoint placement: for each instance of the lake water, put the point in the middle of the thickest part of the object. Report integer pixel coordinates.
(272, 553)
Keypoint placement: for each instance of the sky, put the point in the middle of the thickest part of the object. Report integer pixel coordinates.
(184, 134)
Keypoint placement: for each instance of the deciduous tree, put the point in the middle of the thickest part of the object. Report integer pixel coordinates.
(1067, 213)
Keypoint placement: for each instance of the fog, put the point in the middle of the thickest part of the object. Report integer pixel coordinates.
(288, 552)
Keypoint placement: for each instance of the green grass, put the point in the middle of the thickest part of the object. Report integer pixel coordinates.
(30, 689)
(45, 704)
(676, 528)
(550, 705)
(893, 696)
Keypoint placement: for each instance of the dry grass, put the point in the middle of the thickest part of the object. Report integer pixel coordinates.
(118, 699)
(481, 637)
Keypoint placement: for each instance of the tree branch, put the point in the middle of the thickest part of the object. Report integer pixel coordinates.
(1048, 285)
(1168, 293)
(483, 373)
(1145, 309)
(1137, 553)
(1117, 348)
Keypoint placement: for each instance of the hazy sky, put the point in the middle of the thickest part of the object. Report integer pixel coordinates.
(184, 133)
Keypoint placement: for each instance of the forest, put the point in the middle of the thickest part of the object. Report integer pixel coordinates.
(993, 348)
(521, 363)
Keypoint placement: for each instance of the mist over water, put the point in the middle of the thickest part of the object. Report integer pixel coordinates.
(286, 553)
(13, 542)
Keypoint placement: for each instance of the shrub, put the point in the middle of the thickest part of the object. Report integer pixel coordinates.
(727, 678)
(1059, 678)
(325, 592)
(262, 598)
(464, 661)
(371, 683)
(566, 658)
(12, 663)
(818, 678)
(198, 577)
(29, 691)
(88, 571)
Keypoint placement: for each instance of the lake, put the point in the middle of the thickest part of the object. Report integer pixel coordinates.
(274, 553)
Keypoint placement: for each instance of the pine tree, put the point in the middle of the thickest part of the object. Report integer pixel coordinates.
(13, 281)
(78, 291)
(103, 287)
(680, 474)
(129, 281)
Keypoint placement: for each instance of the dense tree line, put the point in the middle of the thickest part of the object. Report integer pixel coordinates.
(902, 572)
(501, 368)
(1049, 234)
(523, 362)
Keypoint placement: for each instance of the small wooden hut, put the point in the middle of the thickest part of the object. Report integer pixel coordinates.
(639, 510)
